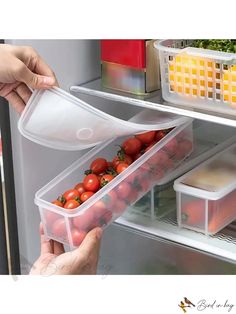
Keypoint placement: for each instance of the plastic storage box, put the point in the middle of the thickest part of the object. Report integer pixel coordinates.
(104, 207)
(197, 78)
(157, 203)
(206, 196)
(208, 140)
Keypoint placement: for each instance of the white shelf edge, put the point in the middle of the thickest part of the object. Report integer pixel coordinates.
(193, 240)
(153, 105)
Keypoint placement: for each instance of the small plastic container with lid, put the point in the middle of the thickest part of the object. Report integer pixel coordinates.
(206, 196)
(56, 119)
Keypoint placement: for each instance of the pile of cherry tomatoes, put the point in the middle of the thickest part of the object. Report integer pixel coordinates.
(102, 171)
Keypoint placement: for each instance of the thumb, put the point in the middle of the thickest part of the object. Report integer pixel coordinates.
(91, 243)
(33, 80)
(85, 257)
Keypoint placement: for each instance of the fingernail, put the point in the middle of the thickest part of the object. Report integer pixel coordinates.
(45, 238)
(47, 80)
(99, 233)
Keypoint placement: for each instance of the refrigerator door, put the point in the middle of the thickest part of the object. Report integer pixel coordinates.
(75, 62)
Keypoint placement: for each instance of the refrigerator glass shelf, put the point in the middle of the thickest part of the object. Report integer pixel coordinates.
(152, 101)
(221, 245)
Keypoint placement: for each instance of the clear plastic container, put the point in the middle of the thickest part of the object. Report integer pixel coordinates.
(56, 119)
(208, 140)
(158, 202)
(206, 196)
(105, 206)
(197, 78)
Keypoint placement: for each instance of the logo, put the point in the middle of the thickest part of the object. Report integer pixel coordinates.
(186, 303)
(204, 305)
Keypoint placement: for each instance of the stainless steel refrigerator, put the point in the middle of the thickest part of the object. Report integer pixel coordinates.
(134, 244)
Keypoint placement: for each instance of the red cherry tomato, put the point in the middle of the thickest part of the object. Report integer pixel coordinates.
(91, 183)
(99, 165)
(105, 179)
(158, 173)
(159, 158)
(121, 167)
(80, 188)
(105, 218)
(110, 164)
(137, 156)
(122, 159)
(123, 189)
(132, 146)
(77, 236)
(169, 164)
(145, 185)
(85, 196)
(193, 212)
(50, 217)
(61, 199)
(59, 228)
(58, 203)
(120, 207)
(133, 196)
(71, 194)
(131, 178)
(110, 199)
(84, 221)
(110, 170)
(180, 154)
(182, 135)
(144, 170)
(147, 137)
(72, 204)
(171, 147)
(160, 135)
(184, 148)
(99, 204)
(149, 146)
(99, 209)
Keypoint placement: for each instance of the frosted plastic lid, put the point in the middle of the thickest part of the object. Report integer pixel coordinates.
(57, 119)
(213, 179)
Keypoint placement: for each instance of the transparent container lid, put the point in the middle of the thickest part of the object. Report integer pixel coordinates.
(59, 120)
(213, 179)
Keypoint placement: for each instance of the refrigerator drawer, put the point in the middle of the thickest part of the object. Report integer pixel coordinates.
(106, 205)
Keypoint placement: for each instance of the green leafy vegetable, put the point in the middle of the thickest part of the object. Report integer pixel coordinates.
(226, 45)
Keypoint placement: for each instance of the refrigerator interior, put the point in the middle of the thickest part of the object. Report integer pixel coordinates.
(134, 244)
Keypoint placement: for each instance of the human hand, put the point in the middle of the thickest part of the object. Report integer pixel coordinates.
(81, 261)
(20, 68)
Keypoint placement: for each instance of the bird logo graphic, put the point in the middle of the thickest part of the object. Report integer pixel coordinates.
(187, 301)
(185, 304)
